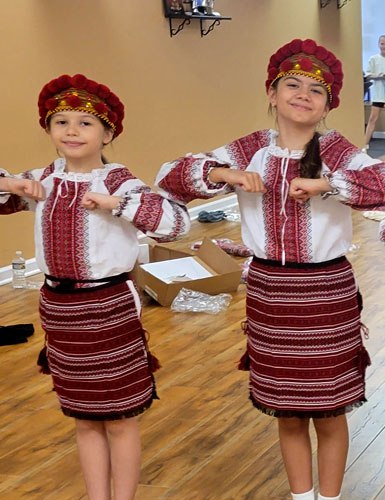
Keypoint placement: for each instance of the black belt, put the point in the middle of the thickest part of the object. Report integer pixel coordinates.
(68, 284)
(300, 265)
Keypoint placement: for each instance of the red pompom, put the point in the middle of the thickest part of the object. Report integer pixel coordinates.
(64, 81)
(287, 50)
(295, 46)
(113, 99)
(286, 65)
(45, 92)
(53, 86)
(273, 72)
(79, 81)
(330, 60)
(328, 77)
(273, 62)
(42, 122)
(92, 87)
(338, 77)
(305, 63)
(119, 109)
(103, 91)
(280, 55)
(119, 129)
(309, 46)
(101, 108)
(335, 102)
(51, 103)
(113, 117)
(321, 53)
(336, 88)
(337, 67)
(74, 101)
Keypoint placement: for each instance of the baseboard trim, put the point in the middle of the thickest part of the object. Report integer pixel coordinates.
(225, 203)
(378, 135)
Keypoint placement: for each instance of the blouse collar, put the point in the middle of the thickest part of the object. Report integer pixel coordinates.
(60, 165)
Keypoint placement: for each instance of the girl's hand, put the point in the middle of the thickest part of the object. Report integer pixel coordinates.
(250, 182)
(93, 201)
(302, 189)
(23, 187)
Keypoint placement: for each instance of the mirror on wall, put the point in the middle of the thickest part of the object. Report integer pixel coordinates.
(373, 63)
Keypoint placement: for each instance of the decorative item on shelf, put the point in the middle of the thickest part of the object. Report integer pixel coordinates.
(173, 8)
(176, 6)
(324, 3)
(204, 7)
(194, 9)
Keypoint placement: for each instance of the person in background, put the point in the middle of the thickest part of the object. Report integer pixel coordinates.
(376, 72)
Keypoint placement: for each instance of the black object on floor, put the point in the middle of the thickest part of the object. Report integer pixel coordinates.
(215, 216)
(15, 334)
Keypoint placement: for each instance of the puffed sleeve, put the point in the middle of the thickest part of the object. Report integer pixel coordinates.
(357, 179)
(11, 203)
(161, 219)
(187, 178)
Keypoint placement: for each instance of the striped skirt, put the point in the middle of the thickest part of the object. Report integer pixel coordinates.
(305, 350)
(96, 350)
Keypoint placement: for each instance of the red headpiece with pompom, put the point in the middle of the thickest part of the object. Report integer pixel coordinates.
(305, 57)
(77, 93)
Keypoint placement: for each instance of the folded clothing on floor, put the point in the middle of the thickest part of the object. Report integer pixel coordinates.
(214, 216)
(15, 334)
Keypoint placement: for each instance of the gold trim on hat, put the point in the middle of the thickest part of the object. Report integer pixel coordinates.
(305, 73)
(79, 108)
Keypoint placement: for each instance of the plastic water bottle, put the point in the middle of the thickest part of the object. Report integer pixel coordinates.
(18, 271)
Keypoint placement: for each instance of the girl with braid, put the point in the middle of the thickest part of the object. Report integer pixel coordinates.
(295, 190)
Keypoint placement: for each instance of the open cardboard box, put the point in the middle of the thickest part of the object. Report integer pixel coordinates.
(225, 272)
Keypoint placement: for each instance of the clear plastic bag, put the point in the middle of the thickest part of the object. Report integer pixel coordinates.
(233, 215)
(192, 301)
(353, 250)
(245, 269)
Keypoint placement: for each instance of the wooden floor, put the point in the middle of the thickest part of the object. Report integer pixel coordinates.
(202, 440)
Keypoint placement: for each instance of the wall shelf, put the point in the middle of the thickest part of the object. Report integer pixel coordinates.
(186, 18)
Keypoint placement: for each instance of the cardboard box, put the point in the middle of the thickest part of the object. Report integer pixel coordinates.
(225, 272)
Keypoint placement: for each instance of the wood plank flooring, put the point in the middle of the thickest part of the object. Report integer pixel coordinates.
(202, 440)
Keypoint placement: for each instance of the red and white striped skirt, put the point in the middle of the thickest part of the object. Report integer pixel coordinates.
(304, 339)
(96, 351)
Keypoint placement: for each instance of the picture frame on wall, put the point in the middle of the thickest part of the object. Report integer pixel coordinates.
(173, 7)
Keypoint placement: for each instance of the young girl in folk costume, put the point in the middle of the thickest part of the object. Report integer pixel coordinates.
(295, 189)
(87, 216)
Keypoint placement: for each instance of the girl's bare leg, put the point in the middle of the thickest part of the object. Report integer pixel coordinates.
(124, 439)
(296, 452)
(94, 456)
(333, 445)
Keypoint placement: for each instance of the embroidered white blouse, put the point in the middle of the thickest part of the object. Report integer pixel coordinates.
(274, 225)
(73, 242)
